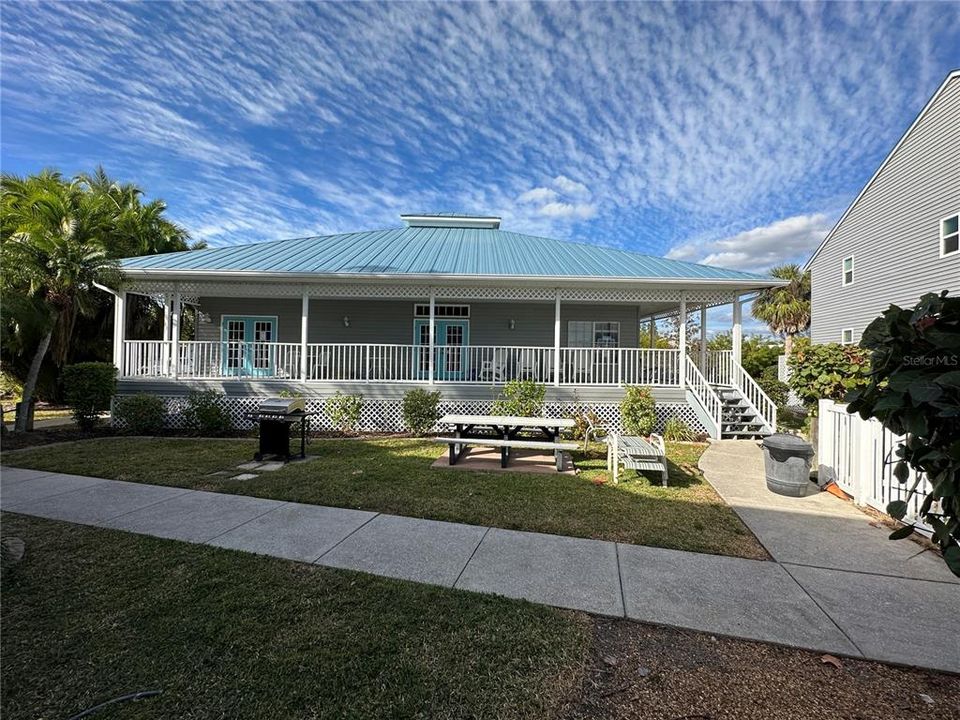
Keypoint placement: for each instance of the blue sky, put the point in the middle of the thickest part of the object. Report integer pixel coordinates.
(731, 134)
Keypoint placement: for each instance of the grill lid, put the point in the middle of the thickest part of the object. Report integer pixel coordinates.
(282, 406)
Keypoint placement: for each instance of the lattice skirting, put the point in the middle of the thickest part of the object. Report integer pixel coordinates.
(387, 415)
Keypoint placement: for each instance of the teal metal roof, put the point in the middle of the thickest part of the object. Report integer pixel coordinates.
(440, 251)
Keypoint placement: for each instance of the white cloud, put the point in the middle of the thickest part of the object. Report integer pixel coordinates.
(789, 240)
(582, 211)
(570, 187)
(538, 195)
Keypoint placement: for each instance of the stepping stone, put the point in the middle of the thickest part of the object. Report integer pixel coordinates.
(424, 551)
(249, 466)
(245, 476)
(567, 572)
(296, 532)
(220, 473)
(270, 467)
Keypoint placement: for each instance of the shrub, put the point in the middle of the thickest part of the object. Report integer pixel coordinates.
(205, 413)
(582, 422)
(140, 414)
(88, 388)
(774, 387)
(344, 410)
(914, 391)
(638, 410)
(827, 371)
(522, 398)
(421, 410)
(676, 430)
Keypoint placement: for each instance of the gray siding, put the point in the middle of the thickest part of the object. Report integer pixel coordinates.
(892, 231)
(391, 321)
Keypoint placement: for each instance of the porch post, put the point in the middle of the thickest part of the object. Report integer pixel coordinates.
(119, 328)
(703, 339)
(175, 333)
(556, 340)
(737, 329)
(304, 318)
(653, 331)
(683, 340)
(433, 308)
(165, 347)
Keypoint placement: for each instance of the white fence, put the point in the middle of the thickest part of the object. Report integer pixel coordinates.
(859, 456)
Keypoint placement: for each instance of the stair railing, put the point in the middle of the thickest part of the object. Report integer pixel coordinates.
(754, 394)
(704, 394)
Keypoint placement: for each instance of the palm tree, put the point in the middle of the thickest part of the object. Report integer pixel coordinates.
(54, 251)
(785, 309)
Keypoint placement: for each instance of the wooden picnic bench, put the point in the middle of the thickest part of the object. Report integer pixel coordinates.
(636, 453)
(506, 432)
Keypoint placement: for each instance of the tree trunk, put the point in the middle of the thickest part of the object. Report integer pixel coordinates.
(788, 345)
(31, 384)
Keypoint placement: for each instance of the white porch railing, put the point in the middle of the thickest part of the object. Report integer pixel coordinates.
(859, 456)
(705, 395)
(718, 369)
(360, 362)
(722, 369)
(211, 360)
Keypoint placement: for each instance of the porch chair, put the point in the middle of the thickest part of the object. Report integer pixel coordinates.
(527, 366)
(495, 369)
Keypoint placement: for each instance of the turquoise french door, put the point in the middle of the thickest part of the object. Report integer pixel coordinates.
(247, 345)
(451, 340)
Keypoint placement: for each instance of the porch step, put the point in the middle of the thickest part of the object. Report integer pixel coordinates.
(738, 418)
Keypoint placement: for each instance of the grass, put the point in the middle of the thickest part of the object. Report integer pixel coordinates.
(93, 614)
(394, 476)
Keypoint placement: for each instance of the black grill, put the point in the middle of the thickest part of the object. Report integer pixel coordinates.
(275, 418)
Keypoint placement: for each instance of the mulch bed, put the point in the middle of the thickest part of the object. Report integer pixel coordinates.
(645, 672)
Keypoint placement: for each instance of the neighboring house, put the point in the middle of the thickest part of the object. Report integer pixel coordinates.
(449, 302)
(899, 238)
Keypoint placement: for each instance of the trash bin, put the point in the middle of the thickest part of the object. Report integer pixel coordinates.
(786, 460)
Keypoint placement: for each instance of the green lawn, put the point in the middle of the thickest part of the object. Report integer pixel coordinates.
(394, 476)
(93, 614)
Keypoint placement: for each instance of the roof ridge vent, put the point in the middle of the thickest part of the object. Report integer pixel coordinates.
(453, 220)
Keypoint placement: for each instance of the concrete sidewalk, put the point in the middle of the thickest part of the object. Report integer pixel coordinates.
(807, 607)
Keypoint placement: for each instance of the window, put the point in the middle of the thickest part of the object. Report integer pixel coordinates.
(442, 311)
(846, 336)
(848, 270)
(585, 333)
(950, 235)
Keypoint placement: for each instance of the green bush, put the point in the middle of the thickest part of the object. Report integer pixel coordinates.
(522, 398)
(421, 410)
(774, 387)
(914, 391)
(88, 388)
(638, 410)
(344, 411)
(827, 372)
(676, 430)
(140, 414)
(205, 413)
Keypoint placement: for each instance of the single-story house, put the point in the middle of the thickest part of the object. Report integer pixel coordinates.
(449, 302)
(900, 237)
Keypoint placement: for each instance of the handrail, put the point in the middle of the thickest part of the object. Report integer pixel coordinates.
(704, 393)
(754, 394)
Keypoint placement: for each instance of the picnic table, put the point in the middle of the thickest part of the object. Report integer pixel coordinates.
(636, 453)
(506, 432)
